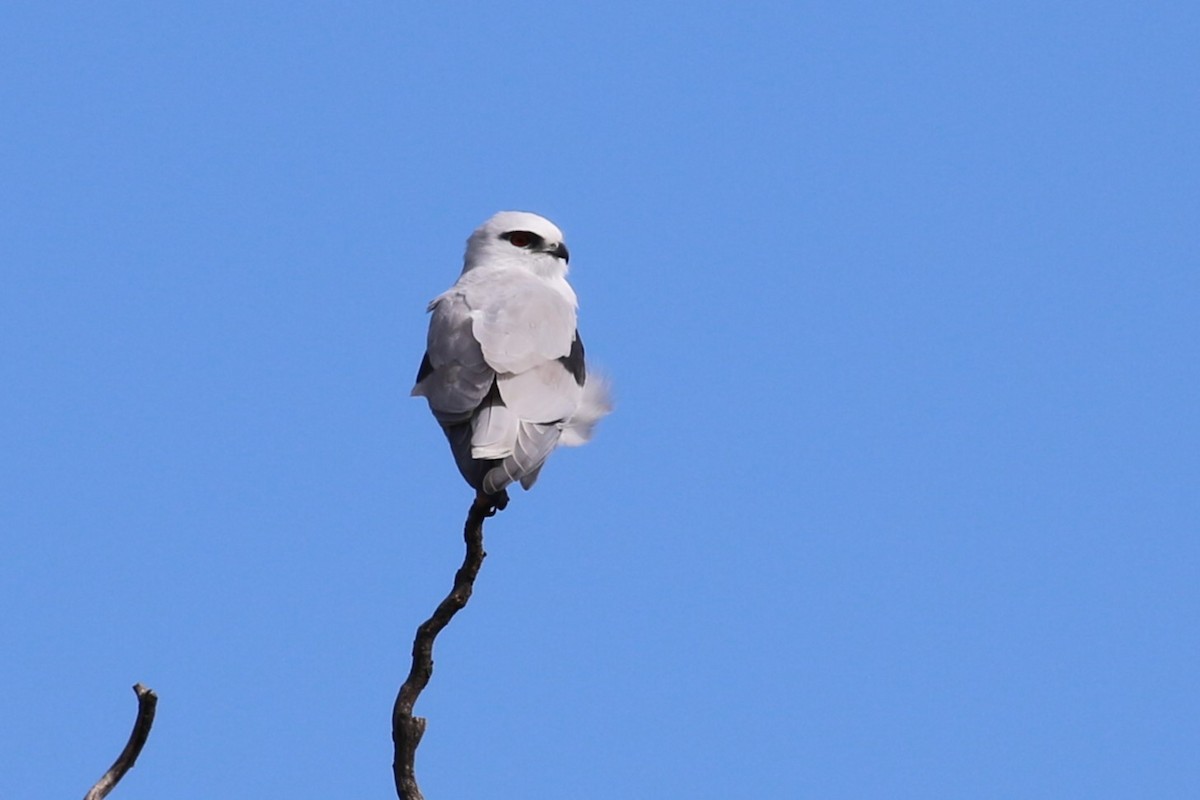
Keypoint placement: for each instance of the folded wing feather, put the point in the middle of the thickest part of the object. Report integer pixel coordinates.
(519, 322)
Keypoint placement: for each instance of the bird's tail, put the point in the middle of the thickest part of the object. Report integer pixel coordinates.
(534, 442)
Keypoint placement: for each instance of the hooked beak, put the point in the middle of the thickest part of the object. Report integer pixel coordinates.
(559, 250)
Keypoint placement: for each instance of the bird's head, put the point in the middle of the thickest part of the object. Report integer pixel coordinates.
(518, 239)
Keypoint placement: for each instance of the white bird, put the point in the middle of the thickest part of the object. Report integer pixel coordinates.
(504, 369)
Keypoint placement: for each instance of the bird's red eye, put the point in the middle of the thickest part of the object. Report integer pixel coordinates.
(520, 239)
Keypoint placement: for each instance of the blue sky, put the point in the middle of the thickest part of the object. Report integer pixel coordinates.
(900, 497)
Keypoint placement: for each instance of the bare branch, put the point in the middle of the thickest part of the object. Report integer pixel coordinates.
(147, 702)
(407, 729)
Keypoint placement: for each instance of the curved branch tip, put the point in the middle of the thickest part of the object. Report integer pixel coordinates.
(147, 704)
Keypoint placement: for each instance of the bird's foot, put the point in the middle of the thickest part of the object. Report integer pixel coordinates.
(491, 503)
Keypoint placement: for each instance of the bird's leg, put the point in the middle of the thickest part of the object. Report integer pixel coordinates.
(491, 502)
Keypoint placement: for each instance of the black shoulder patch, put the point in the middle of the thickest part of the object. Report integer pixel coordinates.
(573, 361)
(425, 368)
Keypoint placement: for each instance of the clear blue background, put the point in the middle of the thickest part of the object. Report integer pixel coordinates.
(900, 301)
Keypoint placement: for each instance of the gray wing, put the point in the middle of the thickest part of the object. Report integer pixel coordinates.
(454, 377)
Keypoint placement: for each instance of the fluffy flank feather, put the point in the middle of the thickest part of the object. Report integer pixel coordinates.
(596, 403)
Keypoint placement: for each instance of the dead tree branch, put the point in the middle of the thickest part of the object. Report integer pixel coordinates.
(147, 702)
(407, 729)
